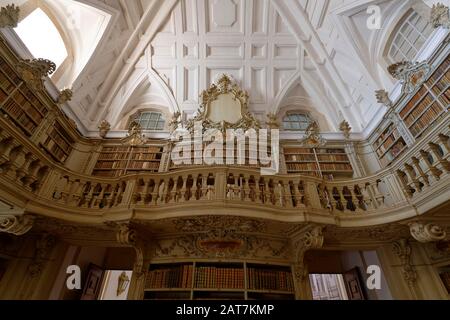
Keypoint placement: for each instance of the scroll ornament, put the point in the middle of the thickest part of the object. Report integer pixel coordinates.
(427, 232)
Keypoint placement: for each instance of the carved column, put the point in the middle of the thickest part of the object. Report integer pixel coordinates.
(127, 235)
(309, 238)
(403, 250)
(16, 225)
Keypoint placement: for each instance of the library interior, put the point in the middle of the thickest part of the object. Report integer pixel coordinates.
(224, 150)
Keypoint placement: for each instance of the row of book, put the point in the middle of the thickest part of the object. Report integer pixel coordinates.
(388, 142)
(336, 167)
(439, 73)
(146, 156)
(116, 149)
(394, 152)
(420, 108)
(6, 84)
(426, 120)
(111, 164)
(382, 137)
(57, 152)
(413, 101)
(9, 72)
(172, 277)
(333, 158)
(300, 157)
(259, 279)
(19, 116)
(292, 167)
(216, 277)
(55, 136)
(139, 165)
(113, 156)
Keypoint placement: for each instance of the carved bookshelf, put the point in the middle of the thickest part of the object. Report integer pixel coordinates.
(332, 163)
(18, 102)
(119, 160)
(58, 143)
(219, 280)
(389, 145)
(430, 102)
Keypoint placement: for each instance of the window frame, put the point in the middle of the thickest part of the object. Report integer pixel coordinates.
(161, 119)
(301, 128)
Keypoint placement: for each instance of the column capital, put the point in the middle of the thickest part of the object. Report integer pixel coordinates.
(426, 232)
(17, 225)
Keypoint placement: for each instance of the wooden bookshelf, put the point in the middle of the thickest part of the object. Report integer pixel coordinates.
(430, 102)
(221, 280)
(18, 102)
(389, 145)
(58, 143)
(319, 162)
(119, 160)
(251, 159)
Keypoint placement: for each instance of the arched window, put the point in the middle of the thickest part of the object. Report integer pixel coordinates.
(42, 37)
(296, 121)
(150, 120)
(409, 38)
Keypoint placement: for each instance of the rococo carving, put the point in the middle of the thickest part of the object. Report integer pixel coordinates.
(427, 232)
(64, 96)
(307, 239)
(9, 16)
(440, 16)
(17, 225)
(383, 98)
(412, 75)
(346, 129)
(33, 71)
(44, 246)
(135, 135)
(224, 85)
(403, 250)
(104, 128)
(272, 121)
(313, 138)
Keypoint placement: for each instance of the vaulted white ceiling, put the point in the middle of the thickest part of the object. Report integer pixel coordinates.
(313, 54)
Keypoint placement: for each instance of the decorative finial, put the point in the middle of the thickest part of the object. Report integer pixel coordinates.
(104, 128)
(383, 98)
(64, 96)
(272, 121)
(345, 128)
(9, 16)
(440, 16)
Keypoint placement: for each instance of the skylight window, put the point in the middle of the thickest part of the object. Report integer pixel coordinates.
(42, 38)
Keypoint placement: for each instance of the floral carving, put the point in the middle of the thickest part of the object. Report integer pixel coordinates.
(440, 16)
(427, 232)
(346, 129)
(33, 71)
(104, 128)
(65, 96)
(383, 98)
(9, 16)
(313, 138)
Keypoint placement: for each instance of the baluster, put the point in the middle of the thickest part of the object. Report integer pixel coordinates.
(67, 190)
(416, 163)
(246, 191)
(379, 196)
(117, 200)
(413, 177)
(444, 139)
(408, 190)
(194, 190)
(31, 175)
(144, 193)
(438, 153)
(99, 198)
(6, 145)
(22, 171)
(9, 168)
(287, 197)
(183, 192)
(89, 196)
(77, 195)
(434, 171)
(110, 197)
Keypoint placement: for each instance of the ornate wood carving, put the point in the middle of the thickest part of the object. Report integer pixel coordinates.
(9, 16)
(17, 225)
(411, 74)
(225, 85)
(440, 16)
(33, 71)
(427, 232)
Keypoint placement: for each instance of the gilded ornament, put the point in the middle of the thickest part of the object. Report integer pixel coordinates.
(313, 138)
(410, 74)
(383, 98)
(345, 128)
(64, 96)
(104, 127)
(33, 71)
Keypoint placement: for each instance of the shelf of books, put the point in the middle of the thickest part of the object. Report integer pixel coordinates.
(389, 145)
(116, 161)
(18, 102)
(210, 281)
(251, 158)
(332, 163)
(430, 103)
(58, 143)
